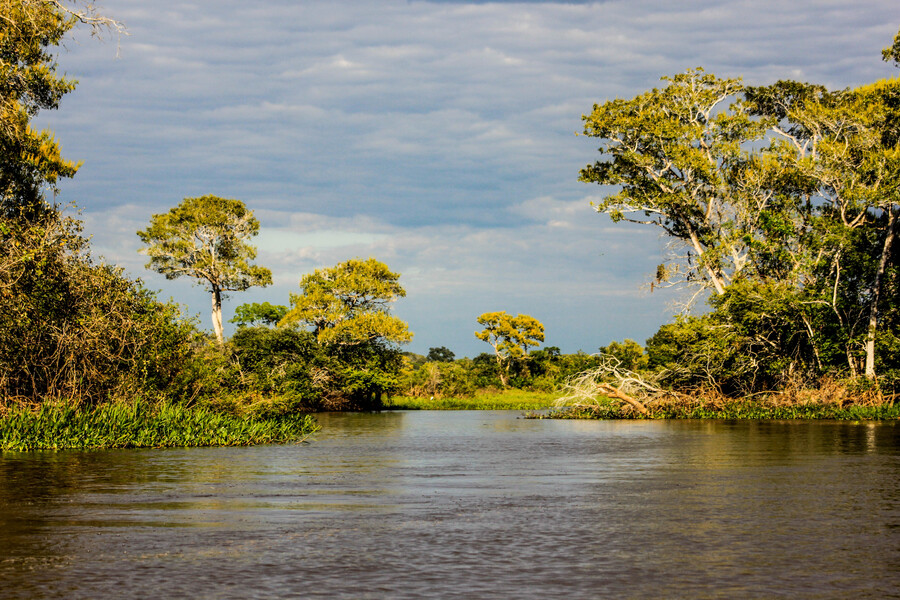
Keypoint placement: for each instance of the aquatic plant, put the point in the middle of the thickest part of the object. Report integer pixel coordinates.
(143, 424)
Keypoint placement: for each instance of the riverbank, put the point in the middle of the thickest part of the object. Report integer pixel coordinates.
(732, 410)
(141, 424)
(500, 400)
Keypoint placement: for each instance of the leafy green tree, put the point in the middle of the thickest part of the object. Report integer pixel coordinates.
(845, 146)
(205, 238)
(349, 305)
(254, 313)
(510, 337)
(629, 353)
(69, 328)
(440, 354)
(683, 161)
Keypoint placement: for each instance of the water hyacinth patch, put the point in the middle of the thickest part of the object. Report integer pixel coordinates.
(142, 424)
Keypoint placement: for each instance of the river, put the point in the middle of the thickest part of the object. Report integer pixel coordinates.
(466, 505)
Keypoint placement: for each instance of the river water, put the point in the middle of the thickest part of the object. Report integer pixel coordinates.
(466, 505)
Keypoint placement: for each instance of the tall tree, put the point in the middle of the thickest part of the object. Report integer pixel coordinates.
(845, 145)
(349, 304)
(678, 157)
(510, 337)
(205, 238)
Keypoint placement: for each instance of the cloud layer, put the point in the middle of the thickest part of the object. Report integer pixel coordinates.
(435, 136)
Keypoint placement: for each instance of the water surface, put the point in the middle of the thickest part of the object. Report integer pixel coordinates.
(466, 505)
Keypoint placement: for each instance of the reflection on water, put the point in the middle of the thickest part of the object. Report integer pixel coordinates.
(466, 505)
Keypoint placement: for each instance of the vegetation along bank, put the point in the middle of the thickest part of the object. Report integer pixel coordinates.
(781, 201)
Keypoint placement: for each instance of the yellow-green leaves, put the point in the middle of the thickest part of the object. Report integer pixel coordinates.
(349, 304)
(205, 238)
(29, 83)
(509, 336)
(677, 155)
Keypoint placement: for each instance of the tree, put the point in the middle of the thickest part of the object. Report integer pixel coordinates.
(440, 354)
(205, 238)
(629, 353)
(678, 155)
(349, 305)
(247, 315)
(845, 145)
(510, 337)
(29, 83)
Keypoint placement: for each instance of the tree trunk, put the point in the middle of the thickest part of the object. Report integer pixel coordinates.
(713, 276)
(876, 294)
(217, 313)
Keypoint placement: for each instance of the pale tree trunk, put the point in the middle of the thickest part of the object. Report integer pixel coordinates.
(876, 294)
(217, 313)
(504, 370)
(713, 276)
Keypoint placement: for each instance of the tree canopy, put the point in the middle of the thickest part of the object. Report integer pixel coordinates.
(255, 313)
(205, 238)
(349, 304)
(510, 337)
(781, 199)
(678, 156)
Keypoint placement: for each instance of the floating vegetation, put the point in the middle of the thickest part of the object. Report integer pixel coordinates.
(143, 424)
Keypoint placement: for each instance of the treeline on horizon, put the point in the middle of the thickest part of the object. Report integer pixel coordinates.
(781, 202)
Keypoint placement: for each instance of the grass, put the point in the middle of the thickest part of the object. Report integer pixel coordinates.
(501, 400)
(142, 424)
(737, 409)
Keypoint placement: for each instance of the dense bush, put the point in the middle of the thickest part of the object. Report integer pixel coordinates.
(70, 328)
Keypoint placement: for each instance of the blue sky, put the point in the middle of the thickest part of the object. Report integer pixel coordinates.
(436, 136)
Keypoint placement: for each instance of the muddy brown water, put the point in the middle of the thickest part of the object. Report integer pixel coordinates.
(466, 505)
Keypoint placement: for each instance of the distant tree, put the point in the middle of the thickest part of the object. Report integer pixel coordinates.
(629, 353)
(349, 304)
(205, 238)
(440, 354)
(510, 337)
(247, 315)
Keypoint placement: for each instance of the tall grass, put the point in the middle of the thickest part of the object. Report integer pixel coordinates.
(142, 424)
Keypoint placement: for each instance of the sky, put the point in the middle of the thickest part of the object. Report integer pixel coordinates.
(436, 136)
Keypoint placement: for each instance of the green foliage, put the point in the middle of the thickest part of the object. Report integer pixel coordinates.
(205, 238)
(142, 424)
(440, 354)
(29, 82)
(349, 305)
(544, 372)
(70, 328)
(280, 361)
(796, 236)
(510, 337)
(440, 379)
(740, 409)
(505, 400)
(629, 353)
(683, 163)
(247, 315)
